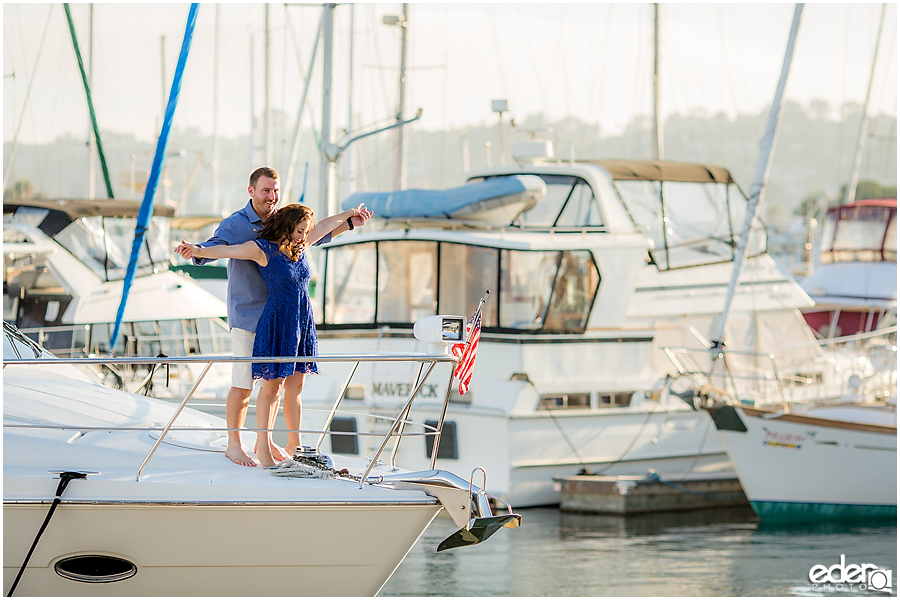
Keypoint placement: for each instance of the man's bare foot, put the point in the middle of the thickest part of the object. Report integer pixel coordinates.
(238, 456)
(292, 450)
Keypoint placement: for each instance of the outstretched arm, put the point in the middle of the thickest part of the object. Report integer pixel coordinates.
(245, 251)
(336, 224)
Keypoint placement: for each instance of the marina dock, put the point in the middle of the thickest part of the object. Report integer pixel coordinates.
(631, 495)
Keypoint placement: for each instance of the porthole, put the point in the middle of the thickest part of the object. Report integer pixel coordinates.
(95, 568)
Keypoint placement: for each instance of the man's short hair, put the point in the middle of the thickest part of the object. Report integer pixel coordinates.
(263, 172)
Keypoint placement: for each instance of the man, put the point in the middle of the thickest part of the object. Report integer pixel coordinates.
(246, 296)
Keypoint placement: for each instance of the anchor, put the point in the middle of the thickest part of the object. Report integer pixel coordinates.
(467, 505)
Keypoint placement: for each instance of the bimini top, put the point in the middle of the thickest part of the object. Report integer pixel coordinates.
(78, 208)
(664, 170)
(496, 200)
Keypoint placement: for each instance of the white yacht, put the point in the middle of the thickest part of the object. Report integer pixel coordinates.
(64, 262)
(612, 263)
(824, 463)
(107, 493)
(855, 289)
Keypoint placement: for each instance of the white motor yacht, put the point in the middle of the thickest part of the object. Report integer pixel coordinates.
(107, 493)
(64, 262)
(602, 266)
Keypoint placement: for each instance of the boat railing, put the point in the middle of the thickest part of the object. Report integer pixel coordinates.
(865, 371)
(427, 364)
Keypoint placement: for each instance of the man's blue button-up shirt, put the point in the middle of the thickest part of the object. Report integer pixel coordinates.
(246, 293)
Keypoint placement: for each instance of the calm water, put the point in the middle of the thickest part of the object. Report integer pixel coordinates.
(724, 552)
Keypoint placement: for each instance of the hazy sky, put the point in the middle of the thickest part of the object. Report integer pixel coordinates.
(593, 61)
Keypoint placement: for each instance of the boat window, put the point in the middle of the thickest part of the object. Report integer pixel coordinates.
(18, 345)
(466, 273)
(148, 338)
(580, 208)
(615, 399)
(350, 284)
(569, 202)
(340, 443)
(526, 280)
(890, 240)
(576, 283)
(858, 234)
(407, 281)
(564, 401)
(539, 291)
(448, 446)
(690, 223)
(104, 244)
(214, 337)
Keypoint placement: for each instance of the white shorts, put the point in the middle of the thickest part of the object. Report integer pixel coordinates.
(242, 345)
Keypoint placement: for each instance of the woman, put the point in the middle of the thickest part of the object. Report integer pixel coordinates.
(287, 326)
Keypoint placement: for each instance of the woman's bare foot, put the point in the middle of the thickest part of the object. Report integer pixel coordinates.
(238, 456)
(275, 451)
(278, 454)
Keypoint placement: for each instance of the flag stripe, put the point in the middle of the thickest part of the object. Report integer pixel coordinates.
(466, 354)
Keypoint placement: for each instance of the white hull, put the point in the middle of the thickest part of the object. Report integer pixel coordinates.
(295, 550)
(796, 466)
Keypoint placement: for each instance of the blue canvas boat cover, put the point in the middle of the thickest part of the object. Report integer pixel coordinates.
(436, 203)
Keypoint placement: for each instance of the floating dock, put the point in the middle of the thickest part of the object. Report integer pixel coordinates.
(632, 495)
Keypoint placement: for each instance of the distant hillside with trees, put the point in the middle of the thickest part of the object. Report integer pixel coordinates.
(812, 163)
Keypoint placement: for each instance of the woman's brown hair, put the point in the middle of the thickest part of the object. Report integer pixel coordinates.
(279, 227)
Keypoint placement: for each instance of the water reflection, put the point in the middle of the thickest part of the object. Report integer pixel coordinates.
(723, 552)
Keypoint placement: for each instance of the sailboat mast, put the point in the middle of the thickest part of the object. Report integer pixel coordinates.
(215, 162)
(657, 125)
(267, 117)
(326, 170)
(400, 149)
(864, 124)
(760, 176)
(92, 180)
(348, 155)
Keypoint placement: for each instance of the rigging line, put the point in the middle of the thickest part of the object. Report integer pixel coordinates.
(569, 442)
(565, 70)
(892, 56)
(90, 102)
(15, 140)
(537, 74)
(284, 61)
(309, 108)
(739, 122)
(604, 63)
(373, 41)
(840, 153)
(498, 55)
(444, 94)
(631, 140)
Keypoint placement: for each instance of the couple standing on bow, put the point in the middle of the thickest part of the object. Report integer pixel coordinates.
(269, 310)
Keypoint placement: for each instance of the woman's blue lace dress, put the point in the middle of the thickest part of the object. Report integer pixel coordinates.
(286, 327)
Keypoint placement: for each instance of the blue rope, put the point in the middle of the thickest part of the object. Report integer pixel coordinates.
(146, 210)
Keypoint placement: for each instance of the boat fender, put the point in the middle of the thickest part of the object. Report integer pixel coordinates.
(64, 479)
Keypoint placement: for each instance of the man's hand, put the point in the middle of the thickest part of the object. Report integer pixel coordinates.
(364, 215)
(185, 250)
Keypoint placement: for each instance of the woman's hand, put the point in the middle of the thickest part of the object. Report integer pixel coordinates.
(360, 215)
(186, 250)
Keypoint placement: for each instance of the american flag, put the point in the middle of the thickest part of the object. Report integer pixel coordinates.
(466, 352)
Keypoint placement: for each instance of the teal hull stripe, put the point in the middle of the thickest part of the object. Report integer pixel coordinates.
(809, 511)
